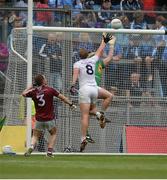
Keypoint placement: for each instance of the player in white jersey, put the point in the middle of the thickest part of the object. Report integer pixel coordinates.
(87, 69)
(84, 71)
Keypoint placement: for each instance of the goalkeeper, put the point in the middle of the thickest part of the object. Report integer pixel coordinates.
(100, 65)
(84, 70)
(43, 95)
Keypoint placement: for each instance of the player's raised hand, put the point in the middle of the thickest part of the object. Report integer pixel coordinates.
(112, 41)
(107, 37)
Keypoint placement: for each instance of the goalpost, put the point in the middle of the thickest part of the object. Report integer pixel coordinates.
(132, 116)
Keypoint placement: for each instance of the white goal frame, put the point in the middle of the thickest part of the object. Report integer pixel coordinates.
(31, 29)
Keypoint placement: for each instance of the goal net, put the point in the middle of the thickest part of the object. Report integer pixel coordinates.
(136, 76)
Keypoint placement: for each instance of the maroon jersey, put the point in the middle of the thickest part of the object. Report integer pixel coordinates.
(43, 100)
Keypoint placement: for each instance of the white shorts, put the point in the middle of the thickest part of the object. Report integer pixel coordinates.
(88, 94)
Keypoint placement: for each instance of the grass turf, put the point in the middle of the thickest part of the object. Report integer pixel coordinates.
(81, 167)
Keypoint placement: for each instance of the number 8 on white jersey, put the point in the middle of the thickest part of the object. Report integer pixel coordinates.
(87, 71)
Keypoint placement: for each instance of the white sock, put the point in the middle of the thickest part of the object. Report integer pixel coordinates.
(32, 146)
(83, 138)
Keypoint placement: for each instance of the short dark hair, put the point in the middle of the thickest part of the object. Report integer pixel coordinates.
(38, 80)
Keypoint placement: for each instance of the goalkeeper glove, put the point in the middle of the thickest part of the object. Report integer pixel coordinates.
(72, 106)
(112, 41)
(107, 37)
(72, 90)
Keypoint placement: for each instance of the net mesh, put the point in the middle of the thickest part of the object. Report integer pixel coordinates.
(136, 57)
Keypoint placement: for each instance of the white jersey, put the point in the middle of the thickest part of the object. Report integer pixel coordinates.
(87, 71)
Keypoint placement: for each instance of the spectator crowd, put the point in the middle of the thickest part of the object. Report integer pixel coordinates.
(146, 52)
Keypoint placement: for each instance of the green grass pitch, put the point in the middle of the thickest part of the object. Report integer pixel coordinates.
(83, 167)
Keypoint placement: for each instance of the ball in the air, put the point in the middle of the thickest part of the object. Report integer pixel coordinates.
(116, 24)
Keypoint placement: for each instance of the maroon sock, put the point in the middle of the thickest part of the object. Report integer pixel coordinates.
(50, 150)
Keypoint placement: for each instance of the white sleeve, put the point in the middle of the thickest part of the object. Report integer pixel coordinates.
(76, 65)
(95, 58)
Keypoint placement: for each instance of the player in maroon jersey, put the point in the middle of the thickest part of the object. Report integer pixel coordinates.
(43, 95)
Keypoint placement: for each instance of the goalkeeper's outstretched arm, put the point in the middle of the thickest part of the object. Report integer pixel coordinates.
(109, 57)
